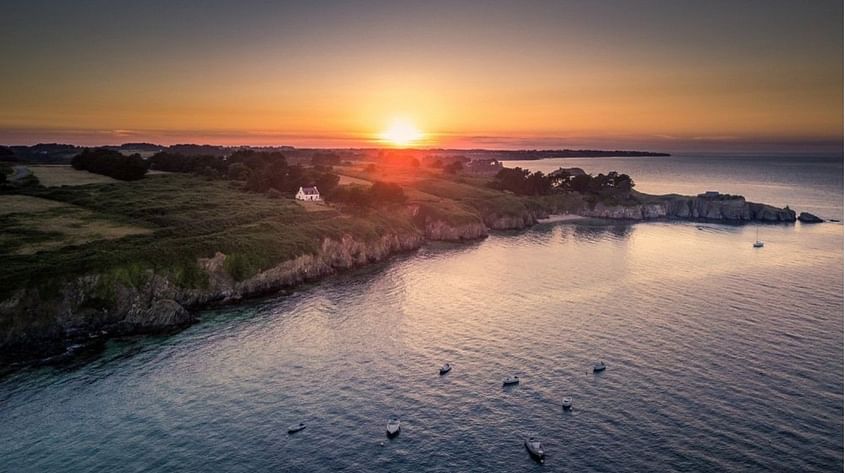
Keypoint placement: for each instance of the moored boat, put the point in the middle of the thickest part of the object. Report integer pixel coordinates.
(567, 403)
(510, 380)
(759, 243)
(535, 448)
(600, 366)
(393, 426)
(296, 427)
(445, 368)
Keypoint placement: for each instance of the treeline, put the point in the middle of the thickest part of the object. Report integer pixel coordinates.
(611, 184)
(261, 171)
(110, 163)
(524, 182)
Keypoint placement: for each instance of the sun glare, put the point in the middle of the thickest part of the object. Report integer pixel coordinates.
(401, 133)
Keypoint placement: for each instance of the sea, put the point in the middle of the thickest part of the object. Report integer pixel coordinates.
(720, 356)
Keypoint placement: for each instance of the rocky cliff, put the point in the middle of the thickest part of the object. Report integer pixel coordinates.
(95, 305)
(86, 307)
(722, 208)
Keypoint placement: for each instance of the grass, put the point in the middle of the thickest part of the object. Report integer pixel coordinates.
(314, 206)
(165, 223)
(11, 203)
(186, 218)
(32, 224)
(126, 232)
(61, 175)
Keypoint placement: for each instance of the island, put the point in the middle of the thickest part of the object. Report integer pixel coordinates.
(121, 243)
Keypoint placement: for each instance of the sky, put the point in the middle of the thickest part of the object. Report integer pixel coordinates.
(638, 74)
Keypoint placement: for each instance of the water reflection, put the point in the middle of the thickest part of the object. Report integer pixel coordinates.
(720, 341)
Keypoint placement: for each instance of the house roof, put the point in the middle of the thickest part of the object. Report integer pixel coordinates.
(310, 190)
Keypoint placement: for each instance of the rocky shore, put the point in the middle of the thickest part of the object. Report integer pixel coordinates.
(724, 208)
(96, 306)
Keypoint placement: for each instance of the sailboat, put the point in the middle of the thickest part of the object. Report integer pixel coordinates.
(758, 243)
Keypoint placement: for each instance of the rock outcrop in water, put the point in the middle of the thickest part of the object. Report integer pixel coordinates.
(724, 208)
(807, 217)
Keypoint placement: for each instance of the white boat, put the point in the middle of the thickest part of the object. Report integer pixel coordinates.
(535, 448)
(393, 426)
(600, 366)
(296, 427)
(445, 368)
(567, 403)
(758, 243)
(510, 380)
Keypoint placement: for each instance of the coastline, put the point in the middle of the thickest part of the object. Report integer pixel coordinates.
(86, 308)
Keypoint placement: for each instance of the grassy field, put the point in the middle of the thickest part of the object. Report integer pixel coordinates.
(11, 203)
(312, 206)
(59, 175)
(33, 224)
(167, 223)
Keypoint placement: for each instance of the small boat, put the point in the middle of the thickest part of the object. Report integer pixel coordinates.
(393, 426)
(600, 366)
(567, 403)
(296, 427)
(445, 368)
(758, 243)
(511, 380)
(535, 448)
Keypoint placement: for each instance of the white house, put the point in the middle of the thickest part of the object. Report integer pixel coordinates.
(308, 193)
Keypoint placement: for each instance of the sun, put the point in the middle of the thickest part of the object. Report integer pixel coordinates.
(401, 132)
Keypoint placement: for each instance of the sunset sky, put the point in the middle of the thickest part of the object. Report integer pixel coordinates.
(637, 74)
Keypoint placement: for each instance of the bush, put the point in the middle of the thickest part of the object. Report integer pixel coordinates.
(453, 168)
(377, 194)
(110, 163)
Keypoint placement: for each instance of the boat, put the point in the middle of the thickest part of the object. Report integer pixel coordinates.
(445, 368)
(535, 448)
(393, 426)
(296, 427)
(600, 366)
(567, 403)
(511, 380)
(758, 243)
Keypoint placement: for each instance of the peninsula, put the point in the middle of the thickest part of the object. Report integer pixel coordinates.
(123, 242)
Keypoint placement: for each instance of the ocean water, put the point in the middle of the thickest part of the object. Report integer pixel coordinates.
(720, 357)
(811, 183)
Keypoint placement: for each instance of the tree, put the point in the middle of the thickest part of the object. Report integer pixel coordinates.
(389, 192)
(237, 172)
(110, 163)
(197, 164)
(378, 194)
(581, 183)
(6, 154)
(453, 168)
(327, 182)
(255, 159)
(325, 159)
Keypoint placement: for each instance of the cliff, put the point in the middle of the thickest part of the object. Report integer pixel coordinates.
(732, 209)
(97, 304)
(89, 306)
